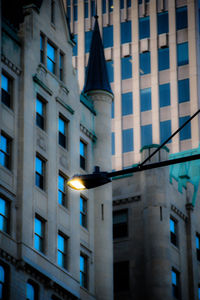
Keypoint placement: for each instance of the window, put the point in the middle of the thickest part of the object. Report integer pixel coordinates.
(62, 249)
(4, 272)
(51, 58)
(6, 90)
(127, 104)
(39, 234)
(126, 67)
(112, 110)
(62, 186)
(31, 290)
(182, 54)
(75, 7)
(75, 48)
(175, 284)
(126, 32)
(88, 37)
(82, 155)
(4, 215)
(61, 61)
(120, 224)
(83, 271)
(86, 8)
(110, 3)
(165, 131)
(146, 135)
(83, 212)
(121, 4)
(93, 8)
(121, 276)
(41, 48)
(113, 143)
(53, 11)
(145, 99)
(40, 113)
(5, 151)
(181, 18)
(164, 94)
(108, 36)
(144, 28)
(128, 3)
(62, 132)
(127, 140)
(145, 63)
(173, 232)
(183, 90)
(162, 22)
(103, 6)
(199, 292)
(185, 133)
(198, 246)
(163, 59)
(109, 65)
(69, 10)
(39, 172)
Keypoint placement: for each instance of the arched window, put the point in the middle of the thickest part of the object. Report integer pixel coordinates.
(31, 290)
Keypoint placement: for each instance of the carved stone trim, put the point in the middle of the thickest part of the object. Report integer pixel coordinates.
(126, 200)
(179, 213)
(10, 64)
(88, 133)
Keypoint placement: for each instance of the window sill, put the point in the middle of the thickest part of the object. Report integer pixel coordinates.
(64, 208)
(44, 192)
(8, 171)
(176, 248)
(53, 26)
(121, 240)
(84, 229)
(9, 109)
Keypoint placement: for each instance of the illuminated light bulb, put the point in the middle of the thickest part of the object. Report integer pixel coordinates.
(76, 184)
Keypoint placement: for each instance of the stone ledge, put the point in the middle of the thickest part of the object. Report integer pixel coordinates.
(126, 200)
(10, 64)
(179, 213)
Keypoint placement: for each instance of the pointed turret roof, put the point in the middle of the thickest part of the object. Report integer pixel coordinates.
(96, 73)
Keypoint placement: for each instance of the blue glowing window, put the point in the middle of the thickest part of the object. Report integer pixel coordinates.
(113, 110)
(165, 131)
(181, 18)
(113, 143)
(88, 37)
(127, 104)
(108, 36)
(127, 140)
(75, 10)
(162, 22)
(145, 63)
(126, 67)
(145, 99)
(51, 58)
(83, 271)
(185, 133)
(182, 54)
(103, 6)
(4, 217)
(164, 94)
(126, 32)
(144, 28)
(163, 59)
(146, 135)
(183, 90)
(121, 4)
(128, 3)
(86, 8)
(110, 3)
(75, 48)
(39, 235)
(61, 251)
(110, 70)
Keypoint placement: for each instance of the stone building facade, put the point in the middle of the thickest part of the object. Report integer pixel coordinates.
(54, 243)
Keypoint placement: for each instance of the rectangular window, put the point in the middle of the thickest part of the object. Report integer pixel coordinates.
(185, 133)
(127, 140)
(127, 104)
(62, 132)
(75, 48)
(82, 155)
(165, 131)
(121, 4)
(183, 90)
(145, 99)
(6, 90)
(83, 271)
(173, 232)
(86, 8)
(75, 7)
(5, 151)
(112, 110)
(4, 281)
(128, 3)
(93, 8)
(113, 143)
(144, 27)
(62, 190)
(88, 38)
(120, 223)
(110, 3)
(181, 18)
(53, 11)
(62, 251)
(41, 48)
(108, 36)
(51, 58)
(121, 276)
(39, 172)
(61, 64)
(175, 284)
(126, 67)
(145, 63)
(103, 6)
(182, 54)
(40, 113)
(146, 135)
(31, 290)
(162, 22)
(109, 65)
(126, 35)
(69, 10)
(83, 212)
(198, 246)
(163, 59)
(39, 234)
(164, 94)
(4, 215)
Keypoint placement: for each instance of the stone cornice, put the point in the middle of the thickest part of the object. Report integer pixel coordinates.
(126, 200)
(87, 132)
(179, 213)
(10, 64)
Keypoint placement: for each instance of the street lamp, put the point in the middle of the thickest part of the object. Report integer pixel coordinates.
(98, 178)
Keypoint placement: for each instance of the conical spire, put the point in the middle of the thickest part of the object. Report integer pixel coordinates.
(96, 74)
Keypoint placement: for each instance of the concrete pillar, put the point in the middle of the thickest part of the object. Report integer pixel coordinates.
(103, 199)
(156, 231)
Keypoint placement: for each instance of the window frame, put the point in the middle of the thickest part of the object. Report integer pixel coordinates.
(35, 288)
(41, 237)
(125, 225)
(8, 154)
(64, 193)
(40, 175)
(84, 273)
(198, 249)
(84, 212)
(9, 93)
(174, 235)
(48, 58)
(40, 117)
(5, 283)
(63, 253)
(5, 216)
(176, 287)
(62, 137)
(83, 158)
